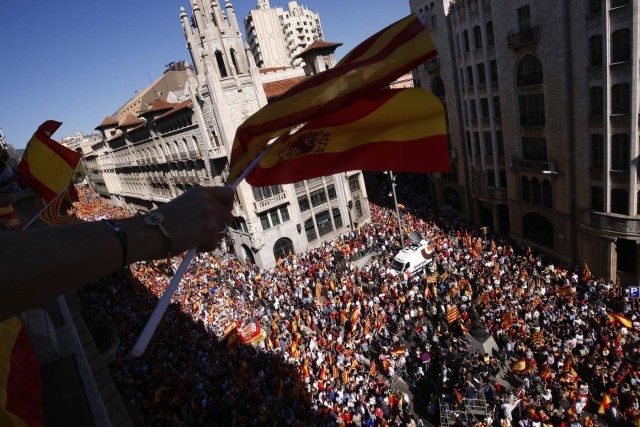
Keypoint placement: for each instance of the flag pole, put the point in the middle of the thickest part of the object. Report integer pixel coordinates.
(45, 208)
(152, 324)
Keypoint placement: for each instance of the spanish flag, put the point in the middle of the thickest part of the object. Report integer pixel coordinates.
(375, 133)
(624, 321)
(20, 382)
(57, 212)
(47, 166)
(370, 66)
(519, 366)
(605, 404)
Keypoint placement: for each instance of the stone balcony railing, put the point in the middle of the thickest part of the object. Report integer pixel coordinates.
(270, 202)
(533, 165)
(609, 222)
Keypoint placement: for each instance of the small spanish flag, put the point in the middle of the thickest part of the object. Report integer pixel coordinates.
(624, 321)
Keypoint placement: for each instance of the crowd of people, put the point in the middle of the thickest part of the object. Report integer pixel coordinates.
(321, 338)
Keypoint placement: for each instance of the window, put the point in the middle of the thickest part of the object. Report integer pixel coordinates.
(490, 38)
(359, 211)
(337, 217)
(261, 193)
(619, 3)
(621, 46)
(477, 35)
(595, 6)
(476, 140)
(619, 201)
(547, 194)
(434, 19)
(303, 203)
(534, 149)
(500, 142)
(597, 151)
(596, 100)
(482, 76)
(469, 76)
(310, 230)
(538, 229)
(331, 189)
(284, 214)
(620, 151)
(474, 111)
(318, 197)
(282, 248)
(264, 221)
(536, 192)
(503, 178)
(595, 50)
(532, 110)
(437, 87)
(491, 178)
(465, 36)
(496, 106)
(274, 217)
(621, 99)
(529, 71)
(493, 65)
(221, 67)
(488, 144)
(524, 18)
(597, 198)
(525, 189)
(323, 221)
(234, 61)
(484, 107)
(354, 183)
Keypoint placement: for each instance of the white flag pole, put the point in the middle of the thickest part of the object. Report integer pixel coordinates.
(152, 324)
(45, 208)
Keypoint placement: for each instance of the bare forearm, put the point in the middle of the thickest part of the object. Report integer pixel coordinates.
(40, 264)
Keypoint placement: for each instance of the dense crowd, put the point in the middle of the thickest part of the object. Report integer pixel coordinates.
(338, 333)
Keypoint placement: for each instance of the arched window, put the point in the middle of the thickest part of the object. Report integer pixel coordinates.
(434, 18)
(221, 66)
(525, 189)
(323, 222)
(477, 36)
(490, 38)
(536, 193)
(619, 201)
(621, 98)
(423, 15)
(529, 71)
(547, 194)
(437, 87)
(310, 230)
(282, 248)
(452, 198)
(337, 217)
(621, 46)
(234, 60)
(595, 50)
(620, 151)
(537, 228)
(248, 255)
(194, 143)
(465, 36)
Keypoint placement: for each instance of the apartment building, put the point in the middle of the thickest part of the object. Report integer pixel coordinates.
(540, 97)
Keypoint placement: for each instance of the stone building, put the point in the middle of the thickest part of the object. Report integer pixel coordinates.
(276, 36)
(148, 158)
(540, 98)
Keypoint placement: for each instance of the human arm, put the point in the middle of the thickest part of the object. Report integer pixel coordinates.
(38, 264)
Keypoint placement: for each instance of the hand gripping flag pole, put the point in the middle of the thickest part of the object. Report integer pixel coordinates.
(152, 324)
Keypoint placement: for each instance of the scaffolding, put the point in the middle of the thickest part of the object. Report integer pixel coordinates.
(471, 412)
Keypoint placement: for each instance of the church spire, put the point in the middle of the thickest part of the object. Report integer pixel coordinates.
(231, 13)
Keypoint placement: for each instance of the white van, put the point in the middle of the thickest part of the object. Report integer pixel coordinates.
(412, 259)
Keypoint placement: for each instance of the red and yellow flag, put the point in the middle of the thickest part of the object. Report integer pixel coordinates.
(20, 382)
(452, 314)
(401, 129)
(605, 404)
(624, 321)
(57, 212)
(47, 166)
(9, 217)
(370, 66)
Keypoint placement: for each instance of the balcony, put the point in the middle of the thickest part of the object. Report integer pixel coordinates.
(217, 152)
(609, 222)
(154, 160)
(523, 38)
(532, 121)
(184, 155)
(194, 154)
(432, 64)
(533, 165)
(270, 202)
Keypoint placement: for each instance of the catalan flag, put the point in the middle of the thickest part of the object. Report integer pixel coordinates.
(373, 371)
(536, 338)
(624, 321)
(369, 67)
(46, 166)
(57, 212)
(605, 404)
(507, 320)
(432, 279)
(20, 382)
(373, 134)
(345, 376)
(452, 314)
(343, 317)
(398, 351)
(586, 273)
(8, 215)
(334, 371)
(484, 298)
(355, 315)
(546, 373)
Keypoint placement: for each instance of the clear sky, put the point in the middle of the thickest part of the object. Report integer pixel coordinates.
(79, 61)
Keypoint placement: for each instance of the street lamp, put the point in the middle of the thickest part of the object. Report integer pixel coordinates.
(395, 202)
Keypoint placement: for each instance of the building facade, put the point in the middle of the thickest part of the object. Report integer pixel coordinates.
(541, 96)
(148, 158)
(276, 36)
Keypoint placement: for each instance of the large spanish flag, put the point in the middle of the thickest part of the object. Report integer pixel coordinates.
(370, 66)
(47, 166)
(20, 382)
(400, 129)
(624, 321)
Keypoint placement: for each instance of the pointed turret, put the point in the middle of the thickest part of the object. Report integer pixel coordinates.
(231, 13)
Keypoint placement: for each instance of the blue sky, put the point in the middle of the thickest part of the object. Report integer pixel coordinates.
(78, 61)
